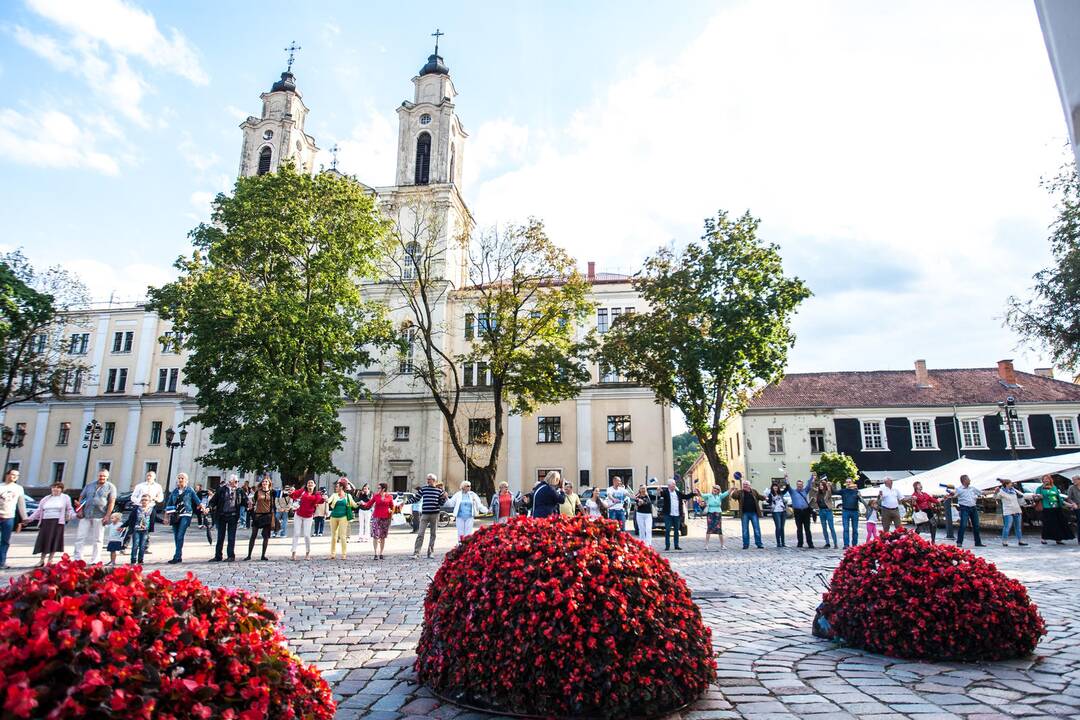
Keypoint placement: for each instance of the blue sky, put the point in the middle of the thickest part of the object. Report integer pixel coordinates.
(894, 151)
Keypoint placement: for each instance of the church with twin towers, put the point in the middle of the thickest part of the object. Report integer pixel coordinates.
(136, 387)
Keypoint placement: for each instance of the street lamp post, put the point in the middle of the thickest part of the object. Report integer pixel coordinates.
(170, 434)
(91, 441)
(1007, 411)
(12, 439)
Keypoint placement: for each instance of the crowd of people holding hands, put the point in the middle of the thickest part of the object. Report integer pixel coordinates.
(265, 511)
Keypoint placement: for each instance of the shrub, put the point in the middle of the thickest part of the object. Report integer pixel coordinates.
(902, 596)
(79, 641)
(562, 617)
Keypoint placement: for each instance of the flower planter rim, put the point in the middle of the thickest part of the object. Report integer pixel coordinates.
(526, 716)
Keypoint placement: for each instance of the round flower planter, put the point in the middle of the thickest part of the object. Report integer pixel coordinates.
(566, 617)
(79, 641)
(904, 597)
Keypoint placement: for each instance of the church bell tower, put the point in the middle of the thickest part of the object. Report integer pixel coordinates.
(278, 135)
(431, 140)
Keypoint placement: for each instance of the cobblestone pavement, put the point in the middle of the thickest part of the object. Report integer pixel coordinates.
(359, 621)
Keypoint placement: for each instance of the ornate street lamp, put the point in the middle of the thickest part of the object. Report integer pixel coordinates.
(12, 439)
(170, 435)
(1008, 415)
(91, 441)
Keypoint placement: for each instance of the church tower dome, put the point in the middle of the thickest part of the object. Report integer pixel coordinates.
(431, 139)
(278, 134)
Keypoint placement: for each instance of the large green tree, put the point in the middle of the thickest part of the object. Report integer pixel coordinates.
(718, 326)
(837, 467)
(1051, 317)
(35, 307)
(270, 308)
(523, 300)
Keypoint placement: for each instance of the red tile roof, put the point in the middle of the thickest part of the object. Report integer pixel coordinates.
(897, 388)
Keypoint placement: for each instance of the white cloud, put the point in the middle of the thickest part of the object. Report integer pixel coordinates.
(126, 283)
(857, 135)
(496, 145)
(200, 159)
(126, 30)
(104, 38)
(51, 139)
(236, 113)
(370, 151)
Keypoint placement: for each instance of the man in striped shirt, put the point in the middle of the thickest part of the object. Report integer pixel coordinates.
(432, 498)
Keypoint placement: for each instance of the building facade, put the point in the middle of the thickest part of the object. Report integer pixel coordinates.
(135, 387)
(899, 423)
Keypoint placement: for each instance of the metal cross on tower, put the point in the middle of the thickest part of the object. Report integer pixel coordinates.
(292, 54)
(334, 152)
(437, 34)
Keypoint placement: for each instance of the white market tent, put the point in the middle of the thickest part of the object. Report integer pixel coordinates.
(984, 474)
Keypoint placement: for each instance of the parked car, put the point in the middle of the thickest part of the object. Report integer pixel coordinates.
(31, 507)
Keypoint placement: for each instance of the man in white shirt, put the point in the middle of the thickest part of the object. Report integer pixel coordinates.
(889, 499)
(12, 512)
(966, 499)
(150, 486)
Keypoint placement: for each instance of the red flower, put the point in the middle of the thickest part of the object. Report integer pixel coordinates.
(74, 637)
(902, 596)
(563, 617)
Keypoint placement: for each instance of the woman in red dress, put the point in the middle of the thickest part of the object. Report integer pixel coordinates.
(922, 502)
(383, 504)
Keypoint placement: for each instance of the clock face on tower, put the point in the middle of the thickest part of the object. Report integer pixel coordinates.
(425, 119)
(268, 134)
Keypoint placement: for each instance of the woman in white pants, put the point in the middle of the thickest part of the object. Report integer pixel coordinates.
(466, 506)
(304, 501)
(364, 516)
(643, 514)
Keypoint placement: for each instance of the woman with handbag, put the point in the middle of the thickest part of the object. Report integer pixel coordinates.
(1011, 513)
(924, 515)
(304, 501)
(382, 506)
(341, 506)
(54, 511)
(262, 511)
(1054, 525)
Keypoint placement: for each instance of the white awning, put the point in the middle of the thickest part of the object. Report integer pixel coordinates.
(984, 474)
(878, 476)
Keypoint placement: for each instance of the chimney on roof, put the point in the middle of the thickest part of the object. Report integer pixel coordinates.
(922, 377)
(592, 270)
(1045, 372)
(1006, 372)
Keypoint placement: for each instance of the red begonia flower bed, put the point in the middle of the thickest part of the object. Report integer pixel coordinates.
(562, 617)
(904, 597)
(79, 641)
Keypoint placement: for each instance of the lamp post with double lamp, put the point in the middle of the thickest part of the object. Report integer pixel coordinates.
(12, 439)
(170, 434)
(1009, 416)
(91, 441)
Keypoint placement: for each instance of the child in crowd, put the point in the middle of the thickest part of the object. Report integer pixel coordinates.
(115, 537)
(138, 527)
(871, 519)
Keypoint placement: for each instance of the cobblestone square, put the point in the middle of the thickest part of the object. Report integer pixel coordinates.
(359, 621)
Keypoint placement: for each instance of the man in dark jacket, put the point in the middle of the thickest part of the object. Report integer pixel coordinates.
(669, 506)
(224, 508)
(547, 497)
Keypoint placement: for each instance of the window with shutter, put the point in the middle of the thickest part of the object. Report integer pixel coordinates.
(423, 159)
(264, 161)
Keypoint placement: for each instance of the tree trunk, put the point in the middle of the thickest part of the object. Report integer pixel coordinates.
(719, 468)
(482, 478)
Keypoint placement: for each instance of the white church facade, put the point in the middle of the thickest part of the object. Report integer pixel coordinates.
(136, 388)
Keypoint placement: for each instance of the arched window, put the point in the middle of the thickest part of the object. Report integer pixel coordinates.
(412, 260)
(453, 157)
(264, 161)
(423, 159)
